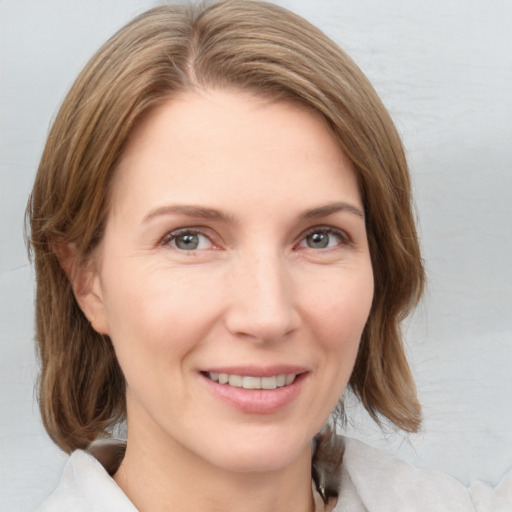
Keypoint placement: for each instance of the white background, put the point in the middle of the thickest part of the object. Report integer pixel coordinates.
(444, 69)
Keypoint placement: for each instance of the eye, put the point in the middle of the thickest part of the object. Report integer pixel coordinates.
(323, 238)
(188, 240)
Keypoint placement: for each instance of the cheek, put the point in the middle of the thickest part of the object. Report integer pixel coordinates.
(338, 307)
(156, 323)
(156, 313)
(338, 312)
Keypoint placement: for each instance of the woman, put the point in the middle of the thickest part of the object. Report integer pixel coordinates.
(223, 239)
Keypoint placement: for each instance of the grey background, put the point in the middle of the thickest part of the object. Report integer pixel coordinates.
(444, 69)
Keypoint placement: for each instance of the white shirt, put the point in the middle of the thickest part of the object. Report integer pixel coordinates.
(371, 481)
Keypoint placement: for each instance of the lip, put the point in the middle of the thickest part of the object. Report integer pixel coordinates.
(256, 401)
(253, 371)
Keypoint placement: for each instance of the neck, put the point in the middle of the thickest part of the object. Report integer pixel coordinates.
(157, 476)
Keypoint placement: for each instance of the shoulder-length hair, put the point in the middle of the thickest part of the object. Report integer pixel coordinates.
(237, 44)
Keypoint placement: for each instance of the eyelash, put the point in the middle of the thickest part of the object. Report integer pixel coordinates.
(174, 235)
(342, 235)
(325, 230)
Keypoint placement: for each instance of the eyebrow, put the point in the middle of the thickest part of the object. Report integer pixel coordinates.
(329, 209)
(214, 214)
(189, 211)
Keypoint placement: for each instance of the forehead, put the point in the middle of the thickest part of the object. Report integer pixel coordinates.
(206, 145)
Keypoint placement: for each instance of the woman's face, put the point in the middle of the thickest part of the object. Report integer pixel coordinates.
(235, 250)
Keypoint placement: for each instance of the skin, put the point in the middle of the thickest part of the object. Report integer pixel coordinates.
(256, 291)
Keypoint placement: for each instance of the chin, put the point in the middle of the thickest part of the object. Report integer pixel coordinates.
(261, 452)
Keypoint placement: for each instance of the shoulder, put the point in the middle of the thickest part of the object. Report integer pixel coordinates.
(374, 481)
(86, 486)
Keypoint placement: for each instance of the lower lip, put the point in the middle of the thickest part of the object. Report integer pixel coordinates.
(256, 401)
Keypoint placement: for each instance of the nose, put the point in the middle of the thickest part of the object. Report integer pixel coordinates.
(261, 304)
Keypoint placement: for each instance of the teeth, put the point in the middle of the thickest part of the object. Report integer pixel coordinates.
(269, 382)
(248, 382)
(235, 381)
(289, 378)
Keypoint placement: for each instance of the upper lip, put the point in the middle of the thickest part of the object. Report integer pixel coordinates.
(257, 371)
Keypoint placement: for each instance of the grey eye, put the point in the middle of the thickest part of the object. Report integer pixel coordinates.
(322, 239)
(188, 242)
(318, 240)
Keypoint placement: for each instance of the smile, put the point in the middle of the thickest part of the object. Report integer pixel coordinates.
(249, 382)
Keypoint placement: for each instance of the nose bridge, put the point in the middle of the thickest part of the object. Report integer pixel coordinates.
(262, 304)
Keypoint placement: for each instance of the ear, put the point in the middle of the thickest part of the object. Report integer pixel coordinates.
(85, 281)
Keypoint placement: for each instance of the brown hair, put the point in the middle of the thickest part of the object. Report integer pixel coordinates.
(171, 49)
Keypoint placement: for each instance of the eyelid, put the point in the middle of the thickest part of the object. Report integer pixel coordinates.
(203, 231)
(344, 236)
(175, 233)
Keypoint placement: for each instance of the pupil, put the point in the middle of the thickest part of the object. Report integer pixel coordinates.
(318, 240)
(187, 242)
